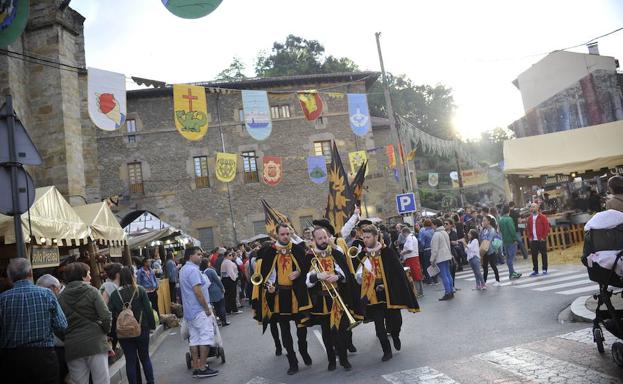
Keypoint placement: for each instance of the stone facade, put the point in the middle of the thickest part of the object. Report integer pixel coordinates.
(166, 158)
(47, 98)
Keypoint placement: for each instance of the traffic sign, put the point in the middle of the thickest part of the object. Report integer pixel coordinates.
(25, 151)
(25, 190)
(405, 203)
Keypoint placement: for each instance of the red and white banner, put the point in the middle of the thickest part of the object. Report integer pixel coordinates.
(272, 170)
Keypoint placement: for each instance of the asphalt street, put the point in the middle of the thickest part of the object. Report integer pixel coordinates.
(506, 334)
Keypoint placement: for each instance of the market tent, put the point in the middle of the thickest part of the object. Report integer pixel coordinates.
(576, 150)
(51, 217)
(102, 222)
(145, 239)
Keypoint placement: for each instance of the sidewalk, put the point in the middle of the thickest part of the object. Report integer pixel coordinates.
(583, 308)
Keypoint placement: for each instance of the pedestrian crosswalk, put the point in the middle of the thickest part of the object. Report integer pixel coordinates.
(560, 281)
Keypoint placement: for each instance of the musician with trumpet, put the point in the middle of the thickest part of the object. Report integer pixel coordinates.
(331, 288)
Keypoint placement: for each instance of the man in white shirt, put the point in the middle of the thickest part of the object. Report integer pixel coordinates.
(229, 276)
(411, 258)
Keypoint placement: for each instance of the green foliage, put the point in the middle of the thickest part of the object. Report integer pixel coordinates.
(234, 72)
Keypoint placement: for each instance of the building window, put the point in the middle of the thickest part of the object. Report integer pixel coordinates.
(305, 221)
(259, 227)
(241, 115)
(131, 125)
(206, 237)
(323, 148)
(201, 171)
(135, 176)
(280, 111)
(249, 160)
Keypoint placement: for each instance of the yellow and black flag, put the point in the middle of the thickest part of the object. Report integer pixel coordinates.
(272, 218)
(357, 184)
(340, 202)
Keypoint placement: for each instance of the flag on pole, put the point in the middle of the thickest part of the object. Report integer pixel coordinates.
(311, 103)
(190, 111)
(272, 218)
(356, 160)
(340, 202)
(357, 185)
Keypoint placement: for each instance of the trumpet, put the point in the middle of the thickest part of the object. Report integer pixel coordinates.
(353, 252)
(256, 278)
(316, 265)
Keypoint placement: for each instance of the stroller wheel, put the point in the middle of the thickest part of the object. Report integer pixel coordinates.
(617, 353)
(598, 337)
(188, 360)
(222, 354)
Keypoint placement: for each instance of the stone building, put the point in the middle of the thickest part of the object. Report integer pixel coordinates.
(155, 169)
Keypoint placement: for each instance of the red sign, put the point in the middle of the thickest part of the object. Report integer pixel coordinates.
(273, 170)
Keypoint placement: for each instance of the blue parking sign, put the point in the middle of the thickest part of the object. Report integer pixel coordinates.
(405, 203)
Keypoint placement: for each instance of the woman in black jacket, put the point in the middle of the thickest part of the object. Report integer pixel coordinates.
(136, 347)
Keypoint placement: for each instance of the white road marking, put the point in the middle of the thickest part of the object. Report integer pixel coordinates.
(504, 275)
(541, 368)
(549, 280)
(590, 288)
(262, 380)
(527, 281)
(564, 285)
(319, 337)
(585, 336)
(422, 375)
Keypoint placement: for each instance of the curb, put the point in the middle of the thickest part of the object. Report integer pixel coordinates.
(117, 369)
(579, 312)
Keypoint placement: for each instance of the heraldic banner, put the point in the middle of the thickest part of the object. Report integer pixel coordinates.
(357, 184)
(311, 102)
(356, 160)
(433, 179)
(358, 113)
(190, 111)
(107, 105)
(226, 164)
(272, 170)
(340, 202)
(317, 169)
(257, 114)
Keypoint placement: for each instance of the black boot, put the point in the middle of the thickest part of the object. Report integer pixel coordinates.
(351, 348)
(278, 351)
(397, 343)
(302, 342)
(306, 358)
(294, 364)
(345, 364)
(387, 350)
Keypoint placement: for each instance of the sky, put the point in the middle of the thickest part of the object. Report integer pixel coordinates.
(476, 47)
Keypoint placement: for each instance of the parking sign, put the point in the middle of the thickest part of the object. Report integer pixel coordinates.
(405, 203)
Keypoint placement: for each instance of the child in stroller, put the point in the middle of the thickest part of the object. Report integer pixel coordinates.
(603, 257)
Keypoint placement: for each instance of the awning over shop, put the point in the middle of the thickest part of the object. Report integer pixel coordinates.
(576, 150)
(104, 226)
(146, 238)
(51, 218)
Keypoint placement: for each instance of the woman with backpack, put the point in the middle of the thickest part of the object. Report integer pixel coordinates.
(488, 251)
(134, 317)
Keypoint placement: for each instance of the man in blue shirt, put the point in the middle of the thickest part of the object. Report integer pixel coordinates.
(29, 316)
(172, 274)
(146, 278)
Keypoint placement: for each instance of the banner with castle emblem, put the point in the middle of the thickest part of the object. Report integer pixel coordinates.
(356, 160)
(190, 111)
(226, 164)
(311, 103)
(358, 113)
(107, 104)
(272, 172)
(257, 114)
(317, 169)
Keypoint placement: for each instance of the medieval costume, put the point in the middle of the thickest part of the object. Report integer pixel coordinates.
(384, 292)
(290, 301)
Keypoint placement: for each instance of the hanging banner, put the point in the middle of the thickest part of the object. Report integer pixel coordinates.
(317, 169)
(433, 179)
(311, 103)
(391, 155)
(356, 160)
(13, 19)
(411, 155)
(191, 9)
(107, 104)
(472, 177)
(226, 166)
(257, 114)
(190, 110)
(272, 172)
(358, 113)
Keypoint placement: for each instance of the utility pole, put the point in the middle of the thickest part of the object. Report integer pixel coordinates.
(390, 115)
(460, 175)
(14, 166)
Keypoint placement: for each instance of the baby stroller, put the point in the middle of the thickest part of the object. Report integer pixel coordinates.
(603, 257)
(216, 350)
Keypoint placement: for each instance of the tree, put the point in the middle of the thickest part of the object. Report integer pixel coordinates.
(234, 72)
(299, 56)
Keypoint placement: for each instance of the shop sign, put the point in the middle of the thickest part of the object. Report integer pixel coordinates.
(115, 251)
(45, 256)
(557, 179)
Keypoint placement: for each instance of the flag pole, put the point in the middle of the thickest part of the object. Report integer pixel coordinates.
(231, 210)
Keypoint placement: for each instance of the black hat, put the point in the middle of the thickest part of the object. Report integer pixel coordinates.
(363, 222)
(326, 224)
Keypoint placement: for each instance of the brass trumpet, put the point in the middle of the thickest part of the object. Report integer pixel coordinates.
(316, 265)
(353, 252)
(256, 278)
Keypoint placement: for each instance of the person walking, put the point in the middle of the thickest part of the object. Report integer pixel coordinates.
(135, 348)
(425, 236)
(146, 278)
(509, 239)
(473, 258)
(89, 322)
(440, 255)
(173, 275)
(538, 229)
(29, 316)
(216, 290)
(229, 276)
(112, 280)
(411, 257)
(514, 214)
(487, 251)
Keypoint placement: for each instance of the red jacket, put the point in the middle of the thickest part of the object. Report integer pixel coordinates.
(542, 227)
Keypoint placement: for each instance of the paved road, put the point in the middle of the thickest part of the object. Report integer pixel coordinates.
(508, 334)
